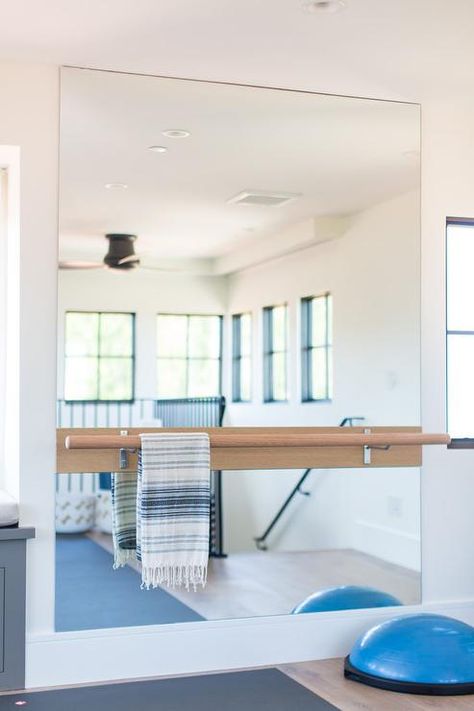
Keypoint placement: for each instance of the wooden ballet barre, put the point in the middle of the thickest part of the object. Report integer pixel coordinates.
(253, 448)
(226, 440)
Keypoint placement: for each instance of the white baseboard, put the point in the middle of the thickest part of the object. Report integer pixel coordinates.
(189, 648)
(390, 544)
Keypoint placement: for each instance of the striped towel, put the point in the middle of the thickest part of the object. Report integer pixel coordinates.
(124, 517)
(172, 510)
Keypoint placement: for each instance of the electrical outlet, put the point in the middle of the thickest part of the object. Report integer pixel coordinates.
(395, 506)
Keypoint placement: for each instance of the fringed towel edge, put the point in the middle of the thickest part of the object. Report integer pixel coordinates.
(122, 557)
(174, 576)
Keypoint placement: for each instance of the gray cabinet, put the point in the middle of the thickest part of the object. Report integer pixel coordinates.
(12, 606)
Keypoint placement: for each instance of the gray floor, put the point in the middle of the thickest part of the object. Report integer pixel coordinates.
(261, 690)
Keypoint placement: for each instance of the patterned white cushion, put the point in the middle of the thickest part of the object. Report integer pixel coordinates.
(8, 509)
(75, 513)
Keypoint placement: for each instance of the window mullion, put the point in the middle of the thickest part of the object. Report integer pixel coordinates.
(99, 328)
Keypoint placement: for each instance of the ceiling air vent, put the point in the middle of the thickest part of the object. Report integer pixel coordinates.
(259, 198)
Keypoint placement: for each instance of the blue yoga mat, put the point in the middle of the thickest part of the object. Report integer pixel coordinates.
(91, 595)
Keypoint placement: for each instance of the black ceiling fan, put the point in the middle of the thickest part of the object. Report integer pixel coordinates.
(120, 256)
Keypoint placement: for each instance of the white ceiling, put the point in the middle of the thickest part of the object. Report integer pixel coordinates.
(384, 48)
(339, 155)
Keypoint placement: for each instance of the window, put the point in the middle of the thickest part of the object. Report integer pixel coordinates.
(242, 357)
(460, 328)
(275, 349)
(316, 345)
(189, 355)
(99, 359)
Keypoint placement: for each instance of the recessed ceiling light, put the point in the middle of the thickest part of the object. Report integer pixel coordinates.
(157, 149)
(116, 186)
(176, 133)
(323, 6)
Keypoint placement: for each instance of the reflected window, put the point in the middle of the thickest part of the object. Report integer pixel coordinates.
(460, 327)
(275, 353)
(316, 348)
(242, 357)
(189, 355)
(99, 356)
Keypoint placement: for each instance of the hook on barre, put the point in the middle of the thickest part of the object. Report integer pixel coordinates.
(124, 452)
(369, 447)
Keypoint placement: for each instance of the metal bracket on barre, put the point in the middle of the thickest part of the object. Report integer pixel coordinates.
(124, 452)
(368, 447)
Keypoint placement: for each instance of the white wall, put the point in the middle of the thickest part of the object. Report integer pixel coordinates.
(448, 476)
(372, 272)
(145, 294)
(10, 432)
(376, 245)
(29, 119)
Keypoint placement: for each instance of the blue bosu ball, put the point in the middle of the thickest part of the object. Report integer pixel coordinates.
(418, 654)
(346, 597)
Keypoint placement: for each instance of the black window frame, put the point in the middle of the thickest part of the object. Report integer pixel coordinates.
(307, 348)
(237, 357)
(101, 401)
(462, 442)
(269, 353)
(187, 359)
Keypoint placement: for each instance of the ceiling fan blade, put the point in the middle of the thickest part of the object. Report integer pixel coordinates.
(80, 265)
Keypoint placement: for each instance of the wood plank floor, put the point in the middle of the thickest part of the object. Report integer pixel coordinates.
(272, 583)
(326, 679)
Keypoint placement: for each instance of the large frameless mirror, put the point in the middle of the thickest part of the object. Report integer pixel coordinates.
(248, 257)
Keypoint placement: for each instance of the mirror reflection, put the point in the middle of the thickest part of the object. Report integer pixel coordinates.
(244, 257)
